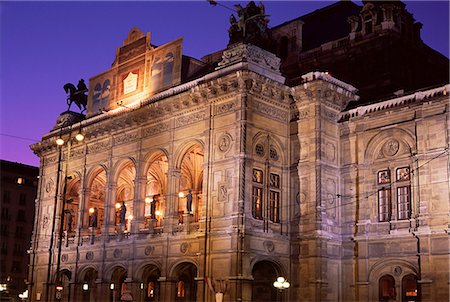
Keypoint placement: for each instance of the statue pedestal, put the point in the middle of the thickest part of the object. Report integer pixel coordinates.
(120, 228)
(186, 221)
(92, 235)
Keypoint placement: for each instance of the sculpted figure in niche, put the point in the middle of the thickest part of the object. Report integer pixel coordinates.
(94, 218)
(69, 220)
(189, 201)
(123, 211)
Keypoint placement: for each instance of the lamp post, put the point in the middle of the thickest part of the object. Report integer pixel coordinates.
(60, 142)
(281, 284)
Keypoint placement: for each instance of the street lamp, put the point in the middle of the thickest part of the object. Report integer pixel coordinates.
(60, 142)
(281, 284)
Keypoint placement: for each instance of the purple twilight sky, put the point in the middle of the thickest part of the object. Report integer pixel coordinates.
(47, 44)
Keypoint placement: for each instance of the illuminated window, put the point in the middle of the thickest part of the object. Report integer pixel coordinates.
(274, 201)
(180, 289)
(20, 181)
(257, 203)
(410, 288)
(151, 290)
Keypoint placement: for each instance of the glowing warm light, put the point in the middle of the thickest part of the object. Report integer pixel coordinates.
(79, 137)
(2, 287)
(91, 210)
(142, 285)
(85, 286)
(157, 212)
(111, 286)
(148, 199)
(59, 287)
(181, 195)
(281, 283)
(20, 180)
(130, 217)
(60, 142)
(118, 205)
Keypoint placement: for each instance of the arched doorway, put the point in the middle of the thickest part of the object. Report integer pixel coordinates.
(125, 196)
(410, 288)
(155, 189)
(191, 183)
(386, 288)
(150, 284)
(72, 206)
(118, 286)
(95, 201)
(264, 274)
(87, 285)
(63, 284)
(186, 287)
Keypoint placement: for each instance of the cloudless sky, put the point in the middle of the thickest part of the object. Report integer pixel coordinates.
(44, 45)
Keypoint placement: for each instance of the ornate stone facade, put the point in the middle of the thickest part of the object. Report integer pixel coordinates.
(236, 179)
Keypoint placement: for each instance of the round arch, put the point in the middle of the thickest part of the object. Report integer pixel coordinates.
(184, 149)
(403, 138)
(264, 273)
(184, 274)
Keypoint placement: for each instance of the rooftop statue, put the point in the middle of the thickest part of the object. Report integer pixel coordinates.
(77, 94)
(250, 26)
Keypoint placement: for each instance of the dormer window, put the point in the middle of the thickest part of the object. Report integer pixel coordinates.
(368, 26)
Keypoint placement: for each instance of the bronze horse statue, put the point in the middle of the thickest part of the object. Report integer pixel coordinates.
(76, 94)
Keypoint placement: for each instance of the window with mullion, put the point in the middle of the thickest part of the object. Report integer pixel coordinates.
(274, 201)
(384, 205)
(403, 202)
(257, 203)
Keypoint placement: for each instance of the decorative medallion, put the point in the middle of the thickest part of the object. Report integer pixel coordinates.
(89, 255)
(148, 250)
(390, 148)
(224, 142)
(269, 246)
(64, 258)
(184, 247)
(117, 253)
(397, 270)
(49, 186)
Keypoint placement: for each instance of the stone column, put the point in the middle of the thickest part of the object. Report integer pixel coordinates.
(109, 214)
(167, 289)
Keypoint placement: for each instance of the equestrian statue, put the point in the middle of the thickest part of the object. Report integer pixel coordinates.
(77, 94)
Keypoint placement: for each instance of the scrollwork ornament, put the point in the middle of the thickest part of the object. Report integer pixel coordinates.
(117, 253)
(269, 246)
(89, 255)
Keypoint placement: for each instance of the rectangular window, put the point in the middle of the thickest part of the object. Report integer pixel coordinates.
(403, 202)
(274, 201)
(22, 199)
(403, 174)
(21, 215)
(6, 196)
(257, 176)
(384, 205)
(384, 177)
(274, 180)
(257, 203)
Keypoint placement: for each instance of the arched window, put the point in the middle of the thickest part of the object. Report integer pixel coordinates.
(168, 70)
(410, 288)
(386, 288)
(156, 74)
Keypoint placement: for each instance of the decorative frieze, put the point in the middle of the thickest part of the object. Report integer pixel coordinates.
(224, 108)
(271, 111)
(189, 119)
(126, 138)
(98, 147)
(153, 130)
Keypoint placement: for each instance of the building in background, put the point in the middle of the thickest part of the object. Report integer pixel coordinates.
(208, 179)
(18, 191)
